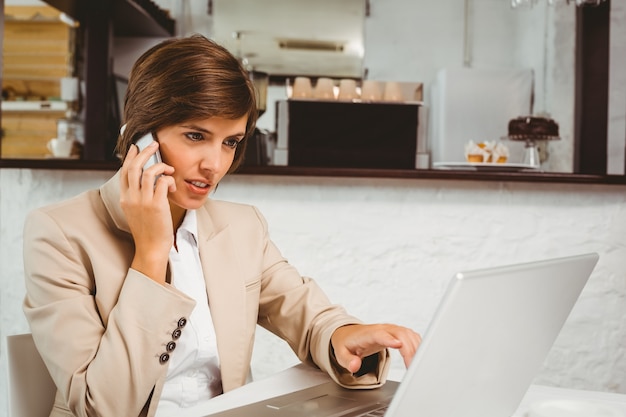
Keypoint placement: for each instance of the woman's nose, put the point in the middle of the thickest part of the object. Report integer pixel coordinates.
(211, 159)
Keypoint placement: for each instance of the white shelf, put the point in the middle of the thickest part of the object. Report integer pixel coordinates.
(37, 106)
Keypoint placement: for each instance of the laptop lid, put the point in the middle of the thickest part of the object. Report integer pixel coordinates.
(486, 342)
(489, 337)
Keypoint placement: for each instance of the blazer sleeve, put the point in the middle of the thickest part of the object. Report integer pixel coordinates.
(296, 309)
(101, 365)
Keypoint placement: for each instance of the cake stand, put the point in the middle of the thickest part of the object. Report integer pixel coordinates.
(531, 152)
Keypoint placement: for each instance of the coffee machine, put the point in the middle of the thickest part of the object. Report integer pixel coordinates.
(351, 134)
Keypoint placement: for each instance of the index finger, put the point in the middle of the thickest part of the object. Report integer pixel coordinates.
(410, 343)
(136, 164)
(130, 155)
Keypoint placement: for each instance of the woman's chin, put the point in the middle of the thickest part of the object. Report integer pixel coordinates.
(188, 203)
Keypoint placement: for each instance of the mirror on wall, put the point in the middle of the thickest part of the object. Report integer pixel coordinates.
(397, 40)
(295, 37)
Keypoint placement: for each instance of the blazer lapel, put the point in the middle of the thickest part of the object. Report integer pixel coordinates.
(226, 292)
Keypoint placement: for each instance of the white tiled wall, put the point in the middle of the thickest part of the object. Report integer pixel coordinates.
(386, 248)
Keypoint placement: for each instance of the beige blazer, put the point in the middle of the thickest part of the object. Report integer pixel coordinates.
(105, 330)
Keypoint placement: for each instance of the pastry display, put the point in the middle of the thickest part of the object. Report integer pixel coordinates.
(486, 152)
(533, 127)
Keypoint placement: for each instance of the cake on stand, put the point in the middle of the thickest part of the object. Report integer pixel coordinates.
(532, 129)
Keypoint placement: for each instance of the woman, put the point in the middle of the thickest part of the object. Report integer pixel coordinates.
(143, 296)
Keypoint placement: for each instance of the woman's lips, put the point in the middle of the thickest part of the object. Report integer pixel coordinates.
(198, 187)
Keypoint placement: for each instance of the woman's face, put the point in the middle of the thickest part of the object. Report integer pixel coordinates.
(201, 152)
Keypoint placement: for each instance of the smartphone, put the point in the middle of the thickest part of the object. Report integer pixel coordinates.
(142, 144)
(155, 158)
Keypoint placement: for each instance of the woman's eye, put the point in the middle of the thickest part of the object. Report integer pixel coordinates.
(194, 136)
(231, 143)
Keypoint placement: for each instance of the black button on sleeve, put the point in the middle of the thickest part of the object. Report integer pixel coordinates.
(176, 334)
(182, 322)
(170, 346)
(164, 358)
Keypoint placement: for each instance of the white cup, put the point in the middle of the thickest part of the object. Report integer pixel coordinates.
(302, 88)
(393, 92)
(371, 91)
(61, 148)
(347, 90)
(324, 89)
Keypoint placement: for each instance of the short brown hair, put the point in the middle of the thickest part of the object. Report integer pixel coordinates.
(183, 79)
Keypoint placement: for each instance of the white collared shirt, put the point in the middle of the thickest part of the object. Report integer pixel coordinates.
(194, 371)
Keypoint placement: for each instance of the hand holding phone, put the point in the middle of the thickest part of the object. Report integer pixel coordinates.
(148, 212)
(155, 158)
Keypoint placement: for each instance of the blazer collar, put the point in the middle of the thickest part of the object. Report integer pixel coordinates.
(110, 192)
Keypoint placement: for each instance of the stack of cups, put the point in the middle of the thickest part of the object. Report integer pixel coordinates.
(371, 90)
(347, 90)
(324, 89)
(302, 88)
(393, 92)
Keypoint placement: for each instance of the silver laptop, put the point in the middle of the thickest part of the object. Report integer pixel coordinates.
(480, 353)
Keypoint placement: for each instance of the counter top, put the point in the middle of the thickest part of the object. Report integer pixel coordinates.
(416, 174)
(438, 174)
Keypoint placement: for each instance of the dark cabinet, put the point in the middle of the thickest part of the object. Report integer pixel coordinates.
(101, 20)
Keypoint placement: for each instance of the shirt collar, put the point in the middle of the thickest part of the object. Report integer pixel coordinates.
(190, 224)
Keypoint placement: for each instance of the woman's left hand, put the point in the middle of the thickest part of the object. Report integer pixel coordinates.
(354, 342)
